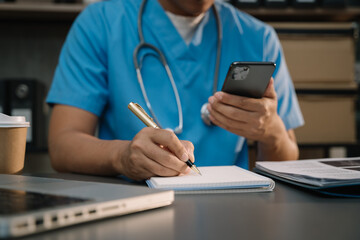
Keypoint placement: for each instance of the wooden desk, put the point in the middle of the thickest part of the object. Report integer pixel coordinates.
(286, 213)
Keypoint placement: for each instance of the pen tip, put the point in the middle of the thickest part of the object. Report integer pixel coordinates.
(196, 170)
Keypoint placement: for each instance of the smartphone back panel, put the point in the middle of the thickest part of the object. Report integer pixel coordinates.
(248, 79)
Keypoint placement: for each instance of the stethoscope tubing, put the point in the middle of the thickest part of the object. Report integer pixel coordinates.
(143, 44)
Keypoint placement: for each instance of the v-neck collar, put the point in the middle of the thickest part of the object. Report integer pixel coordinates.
(165, 33)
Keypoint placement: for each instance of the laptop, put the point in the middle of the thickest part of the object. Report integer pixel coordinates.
(33, 204)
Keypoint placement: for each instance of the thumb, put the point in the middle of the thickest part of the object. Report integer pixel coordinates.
(189, 148)
(270, 90)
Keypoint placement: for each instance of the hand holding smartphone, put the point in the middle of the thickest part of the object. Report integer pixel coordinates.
(248, 79)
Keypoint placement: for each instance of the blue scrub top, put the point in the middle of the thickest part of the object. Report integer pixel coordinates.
(96, 72)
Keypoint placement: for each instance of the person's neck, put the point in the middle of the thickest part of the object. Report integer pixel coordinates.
(177, 9)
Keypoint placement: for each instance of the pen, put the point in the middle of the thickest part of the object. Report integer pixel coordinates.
(148, 121)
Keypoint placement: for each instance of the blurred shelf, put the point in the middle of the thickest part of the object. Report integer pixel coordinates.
(329, 145)
(63, 11)
(327, 87)
(311, 14)
(40, 11)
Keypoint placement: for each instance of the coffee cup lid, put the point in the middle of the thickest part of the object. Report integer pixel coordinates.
(12, 121)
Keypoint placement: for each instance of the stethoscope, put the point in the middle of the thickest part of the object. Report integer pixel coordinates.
(204, 111)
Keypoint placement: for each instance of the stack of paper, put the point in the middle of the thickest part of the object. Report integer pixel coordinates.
(340, 176)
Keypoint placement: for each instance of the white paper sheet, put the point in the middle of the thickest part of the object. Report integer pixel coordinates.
(318, 172)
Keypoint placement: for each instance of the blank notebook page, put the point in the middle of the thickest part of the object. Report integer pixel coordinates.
(215, 177)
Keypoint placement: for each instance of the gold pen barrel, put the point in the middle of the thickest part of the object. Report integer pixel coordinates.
(142, 115)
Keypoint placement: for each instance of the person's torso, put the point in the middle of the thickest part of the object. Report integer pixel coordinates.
(192, 67)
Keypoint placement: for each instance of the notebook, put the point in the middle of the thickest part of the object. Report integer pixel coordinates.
(31, 204)
(214, 179)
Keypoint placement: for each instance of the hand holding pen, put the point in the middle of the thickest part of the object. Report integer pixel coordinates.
(173, 146)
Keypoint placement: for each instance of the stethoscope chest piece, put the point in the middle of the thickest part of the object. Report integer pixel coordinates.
(205, 114)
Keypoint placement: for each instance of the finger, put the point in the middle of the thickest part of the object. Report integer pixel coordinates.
(231, 112)
(190, 149)
(170, 141)
(270, 90)
(245, 103)
(157, 169)
(136, 168)
(165, 158)
(225, 122)
(218, 123)
(150, 168)
(240, 130)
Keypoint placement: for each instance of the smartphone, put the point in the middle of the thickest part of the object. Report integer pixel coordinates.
(248, 79)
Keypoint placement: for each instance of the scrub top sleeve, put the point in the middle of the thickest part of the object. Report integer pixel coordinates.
(80, 78)
(288, 106)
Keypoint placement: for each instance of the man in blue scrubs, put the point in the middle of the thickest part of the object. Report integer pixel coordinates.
(96, 79)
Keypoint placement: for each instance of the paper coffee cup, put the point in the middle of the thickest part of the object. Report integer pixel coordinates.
(13, 132)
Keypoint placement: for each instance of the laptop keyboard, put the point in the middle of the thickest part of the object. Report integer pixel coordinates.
(18, 201)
